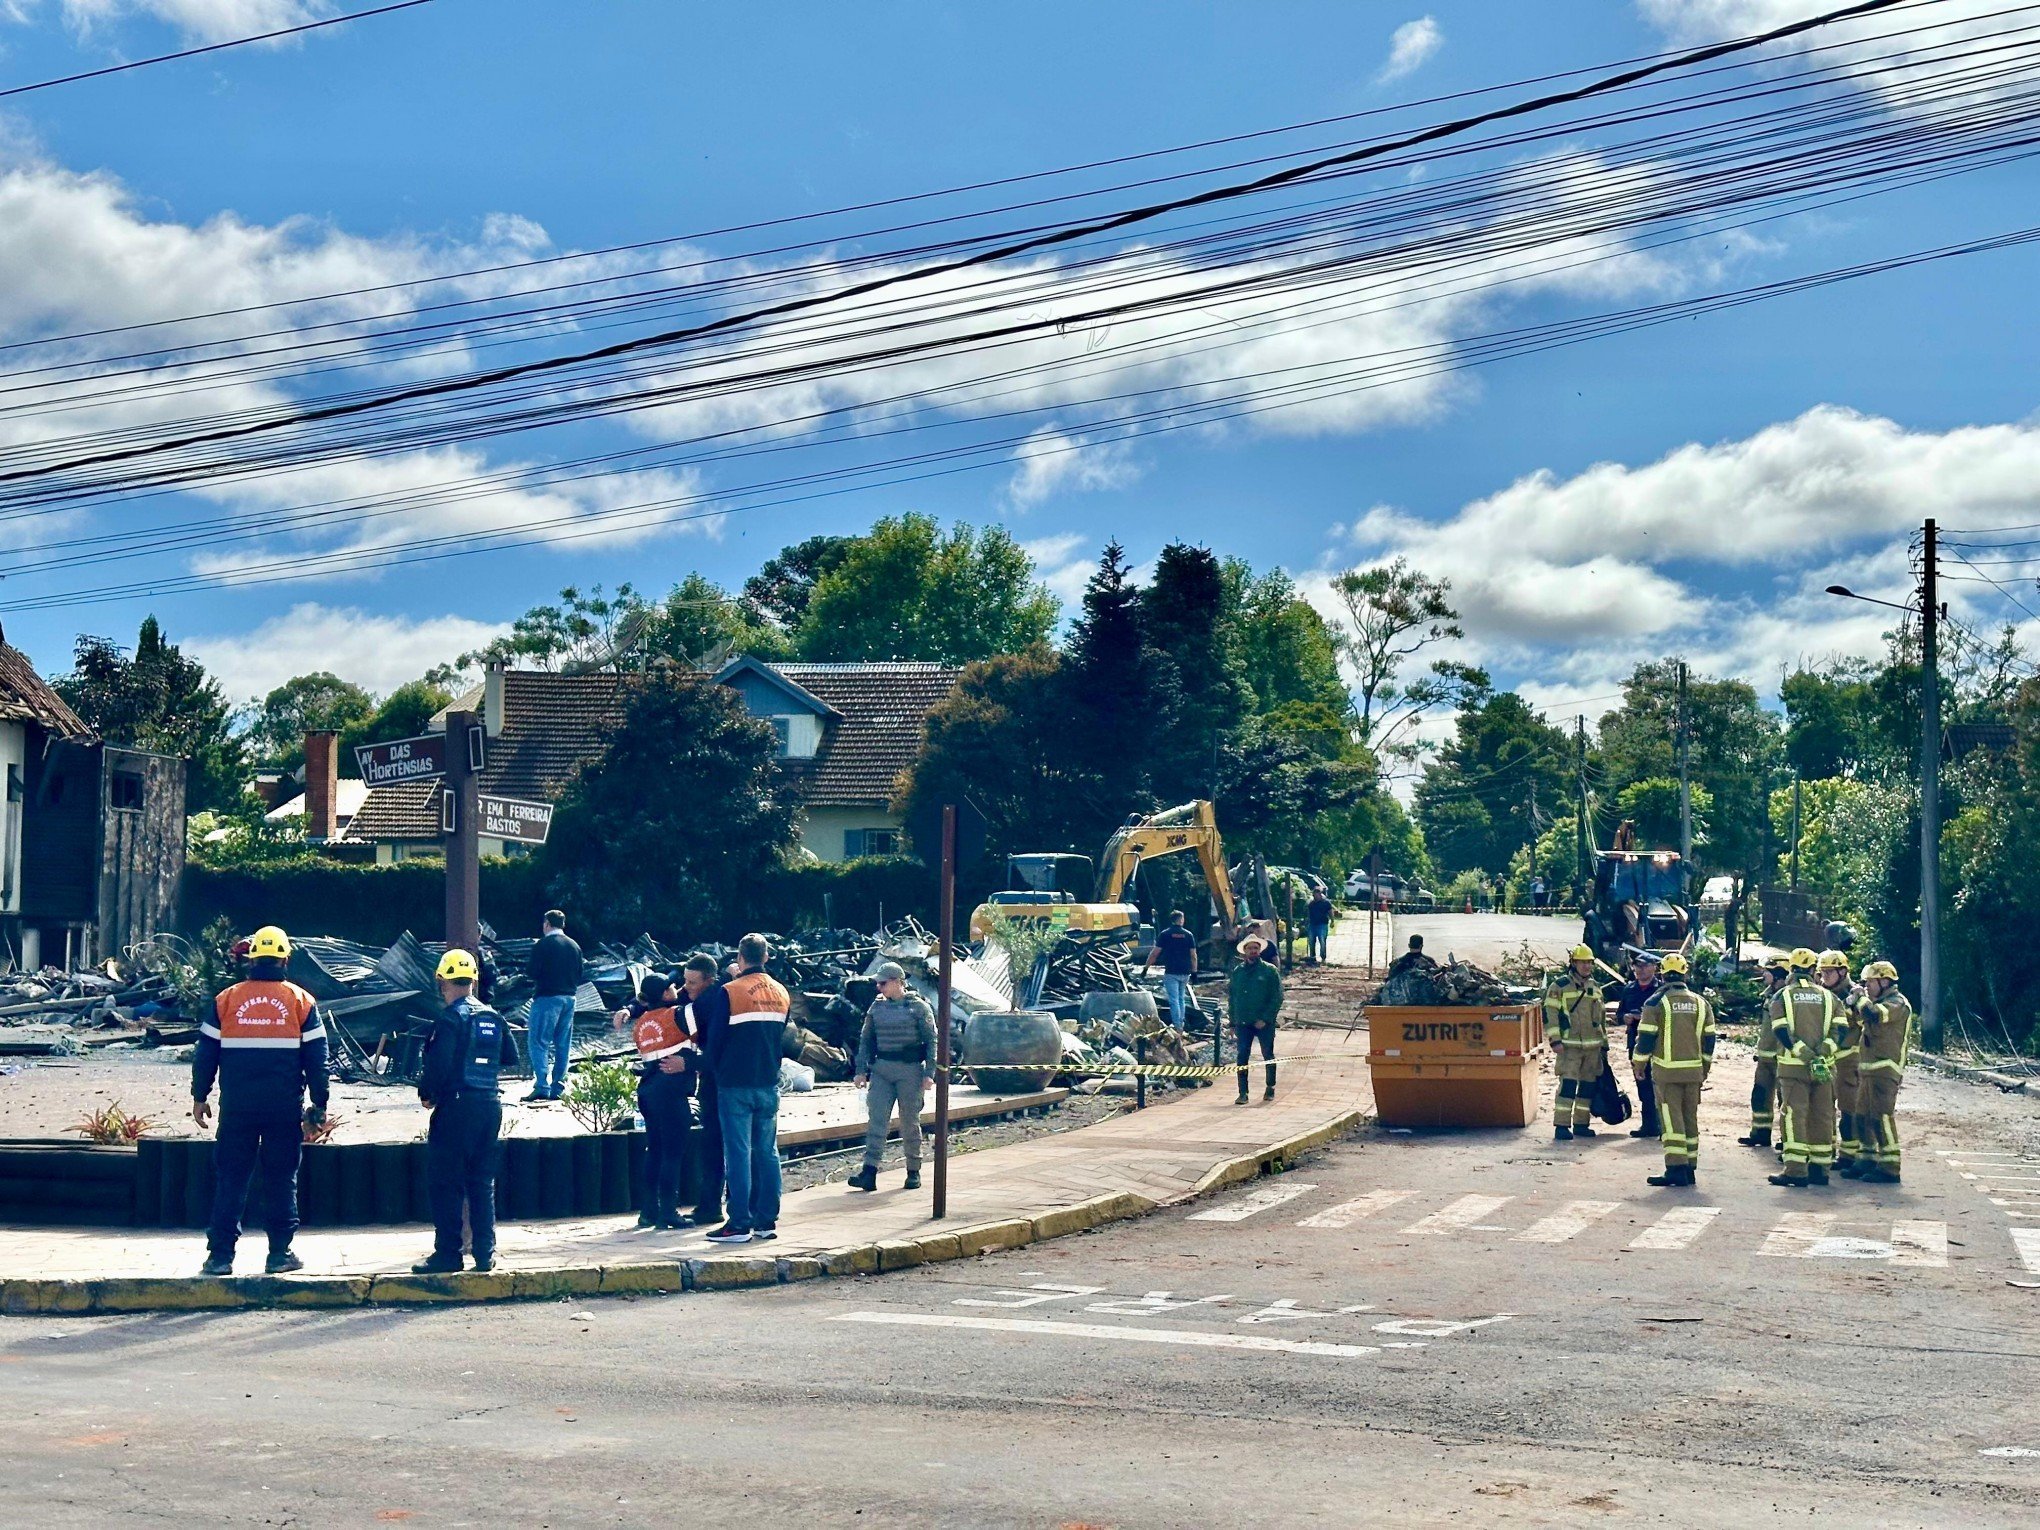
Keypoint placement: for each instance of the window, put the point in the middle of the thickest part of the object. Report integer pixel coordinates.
(800, 735)
(858, 842)
(783, 726)
(124, 793)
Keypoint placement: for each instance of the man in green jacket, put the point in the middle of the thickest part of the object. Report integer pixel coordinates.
(1254, 1000)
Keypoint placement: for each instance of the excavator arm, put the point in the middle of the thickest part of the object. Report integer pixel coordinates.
(1192, 827)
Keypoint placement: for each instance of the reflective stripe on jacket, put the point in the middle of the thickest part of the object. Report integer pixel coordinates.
(1803, 1013)
(266, 1045)
(659, 1033)
(1887, 1032)
(1676, 1031)
(1576, 1013)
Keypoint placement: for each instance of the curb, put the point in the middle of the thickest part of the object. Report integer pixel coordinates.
(176, 1293)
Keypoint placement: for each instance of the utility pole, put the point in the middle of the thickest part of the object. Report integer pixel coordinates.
(1930, 795)
(1685, 799)
(1795, 831)
(1585, 872)
(460, 819)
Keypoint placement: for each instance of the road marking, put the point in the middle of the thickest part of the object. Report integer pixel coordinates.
(1922, 1244)
(1253, 1205)
(2016, 1179)
(1052, 1330)
(1465, 1212)
(1678, 1228)
(1352, 1211)
(1561, 1225)
(2027, 1241)
(1797, 1234)
(2009, 1450)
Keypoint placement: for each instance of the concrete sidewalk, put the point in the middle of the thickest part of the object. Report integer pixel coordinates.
(998, 1198)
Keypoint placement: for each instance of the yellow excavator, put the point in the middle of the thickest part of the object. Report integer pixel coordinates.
(1041, 886)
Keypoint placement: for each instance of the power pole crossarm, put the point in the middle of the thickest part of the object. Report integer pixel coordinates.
(1930, 796)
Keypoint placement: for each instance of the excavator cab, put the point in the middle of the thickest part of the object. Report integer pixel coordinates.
(1050, 887)
(1636, 902)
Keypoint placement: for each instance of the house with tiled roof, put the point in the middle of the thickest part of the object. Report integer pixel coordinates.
(846, 732)
(91, 835)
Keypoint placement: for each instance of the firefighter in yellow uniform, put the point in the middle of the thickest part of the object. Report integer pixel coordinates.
(1576, 1021)
(1886, 1017)
(1808, 1024)
(1764, 1090)
(1832, 973)
(1675, 1042)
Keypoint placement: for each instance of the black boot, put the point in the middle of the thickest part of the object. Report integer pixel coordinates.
(1561, 1134)
(1689, 1174)
(1760, 1136)
(913, 1179)
(1582, 1129)
(1817, 1173)
(437, 1265)
(1669, 1177)
(1788, 1182)
(865, 1178)
(1646, 1131)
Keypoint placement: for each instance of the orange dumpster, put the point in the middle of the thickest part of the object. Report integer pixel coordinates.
(1456, 1065)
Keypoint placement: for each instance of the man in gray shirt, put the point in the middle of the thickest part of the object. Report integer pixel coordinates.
(895, 1061)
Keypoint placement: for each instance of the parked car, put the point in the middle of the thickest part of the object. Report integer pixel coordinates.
(1361, 888)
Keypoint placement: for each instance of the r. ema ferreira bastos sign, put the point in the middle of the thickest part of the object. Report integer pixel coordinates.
(509, 818)
(401, 760)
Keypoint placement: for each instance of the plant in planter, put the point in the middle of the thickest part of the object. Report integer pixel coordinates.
(602, 1095)
(113, 1127)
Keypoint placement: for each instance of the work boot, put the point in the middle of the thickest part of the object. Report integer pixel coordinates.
(282, 1262)
(647, 1220)
(1788, 1182)
(913, 1179)
(705, 1216)
(1669, 1177)
(1760, 1136)
(1816, 1173)
(1646, 1131)
(1851, 1168)
(484, 1263)
(1582, 1129)
(1879, 1175)
(438, 1265)
(1558, 1133)
(865, 1179)
(217, 1264)
(1268, 1093)
(669, 1219)
(1242, 1099)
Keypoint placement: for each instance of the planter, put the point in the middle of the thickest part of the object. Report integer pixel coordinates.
(995, 1046)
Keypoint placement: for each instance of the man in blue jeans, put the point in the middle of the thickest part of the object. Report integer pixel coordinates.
(1177, 948)
(555, 969)
(743, 1052)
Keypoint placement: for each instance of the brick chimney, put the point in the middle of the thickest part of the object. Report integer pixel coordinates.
(322, 786)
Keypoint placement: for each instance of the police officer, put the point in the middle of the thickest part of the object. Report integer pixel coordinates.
(266, 1045)
(1832, 973)
(1641, 988)
(1764, 1089)
(1807, 1023)
(1576, 1020)
(1675, 1043)
(468, 1047)
(1886, 1018)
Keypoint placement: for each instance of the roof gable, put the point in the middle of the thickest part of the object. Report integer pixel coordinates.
(881, 722)
(747, 675)
(26, 697)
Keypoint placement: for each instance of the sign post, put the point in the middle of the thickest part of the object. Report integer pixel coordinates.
(947, 908)
(461, 819)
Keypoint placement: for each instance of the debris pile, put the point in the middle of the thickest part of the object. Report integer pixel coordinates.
(1456, 983)
(55, 1013)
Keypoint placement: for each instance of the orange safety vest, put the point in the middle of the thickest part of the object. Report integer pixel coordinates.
(260, 1014)
(756, 997)
(659, 1033)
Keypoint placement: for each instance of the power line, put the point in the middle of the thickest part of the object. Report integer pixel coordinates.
(236, 42)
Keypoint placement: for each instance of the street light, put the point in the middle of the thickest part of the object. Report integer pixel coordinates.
(1849, 594)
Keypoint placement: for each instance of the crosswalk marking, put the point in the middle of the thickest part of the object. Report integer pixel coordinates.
(1797, 1234)
(2027, 1241)
(1923, 1244)
(1677, 1228)
(1253, 1205)
(1359, 1209)
(1467, 1211)
(1561, 1225)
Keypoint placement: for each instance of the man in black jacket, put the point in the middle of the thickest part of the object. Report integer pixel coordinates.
(555, 969)
(1641, 988)
(468, 1047)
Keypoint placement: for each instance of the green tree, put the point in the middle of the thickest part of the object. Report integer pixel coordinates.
(581, 631)
(159, 700)
(1830, 722)
(701, 624)
(1394, 613)
(1116, 698)
(907, 590)
(778, 594)
(1285, 651)
(301, 705)
(1493, 786)
(673, 826)
(1182, 620)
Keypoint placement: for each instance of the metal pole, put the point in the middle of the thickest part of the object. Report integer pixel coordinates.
(1686, 808)
(947, 914)
(1373, 902)
(464, 844)
(1930, 797)
(1583, 873)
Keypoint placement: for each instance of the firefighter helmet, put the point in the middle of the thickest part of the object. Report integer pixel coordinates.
(1881, 970)
(1832, 960)
(1803, 960)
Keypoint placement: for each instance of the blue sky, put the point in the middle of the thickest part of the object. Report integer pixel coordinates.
(1687, 489)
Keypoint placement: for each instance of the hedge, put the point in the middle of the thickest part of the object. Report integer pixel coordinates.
(375, 904)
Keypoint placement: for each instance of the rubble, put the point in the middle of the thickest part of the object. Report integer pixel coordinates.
(1456, 983)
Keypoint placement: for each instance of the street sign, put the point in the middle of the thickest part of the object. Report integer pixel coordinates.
(401, 760)
(525, 823)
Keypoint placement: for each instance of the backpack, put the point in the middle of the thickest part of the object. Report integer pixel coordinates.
(1611, 1103)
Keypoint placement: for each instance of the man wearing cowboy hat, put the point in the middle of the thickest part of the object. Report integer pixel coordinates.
(1254, 1000)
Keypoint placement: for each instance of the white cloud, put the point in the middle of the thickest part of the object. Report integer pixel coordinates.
(1062, 562)
(1410, 48)
(1052, 462)
(201, 21)
(377, 652)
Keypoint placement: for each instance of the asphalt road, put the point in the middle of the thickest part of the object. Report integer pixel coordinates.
(1482, 1328)
(1485, 939)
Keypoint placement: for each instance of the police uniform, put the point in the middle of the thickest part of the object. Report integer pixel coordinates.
(1576, 1020)
(469, 1044)
(1675, 1041)
(1807, 1024)
(1764, 1086)
(266, 1045)
(1887, 1041)
(1629, 1005)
